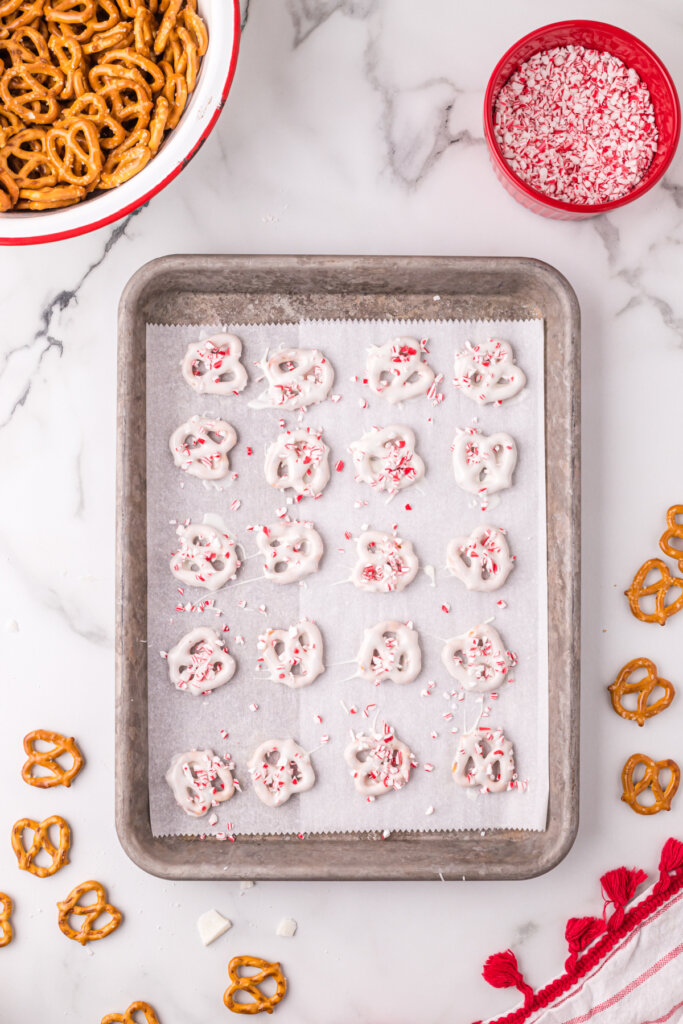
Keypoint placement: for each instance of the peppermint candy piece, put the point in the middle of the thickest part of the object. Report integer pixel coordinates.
(390, 650)
(481, 464)
(478, 659)
(385, 459)
(380, 763)
(298, 460)
(200, 780)
(200, 447)
(294, 656)
(396, 370)
(291, 550)
(385, 563)
(486, 759)
(487, 372)
(205, 558)
(213, 367)
(279, 769)
(297, 378)
(200, 663)
(482, 561)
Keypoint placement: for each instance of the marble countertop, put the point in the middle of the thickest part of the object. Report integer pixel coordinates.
(354, 126)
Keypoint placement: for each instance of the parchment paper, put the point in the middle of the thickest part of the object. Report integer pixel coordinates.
(439, 511)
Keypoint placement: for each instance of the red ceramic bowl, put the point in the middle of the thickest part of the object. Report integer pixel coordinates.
(594, 35)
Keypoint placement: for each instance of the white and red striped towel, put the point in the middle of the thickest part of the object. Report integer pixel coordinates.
(625, 967)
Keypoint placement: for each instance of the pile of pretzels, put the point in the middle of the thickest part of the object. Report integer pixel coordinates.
(88, 91)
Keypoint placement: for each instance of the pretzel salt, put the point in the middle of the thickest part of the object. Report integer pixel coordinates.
(481, 464)
(90, 914)
(291, 550)
(200, 780)
(130, 1016)
(199, 662)
(390, 650)
(59, 855)
(250, 984)
(650, 779)
(212, 366)
(644, 687)
(279, 769)
(487, 372)
(296, 378)
(385, 458)
(205, 557)
(478, 659)
(385, 563)
(484, 758)
(48, 759)
(294, 656)
(298, 460)
(396, 370)
(200, 447)
(481, 561)
(6, 931)
(380, 763)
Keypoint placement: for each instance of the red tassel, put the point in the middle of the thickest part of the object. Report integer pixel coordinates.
(618, 889)
(579, 933)
(501, 971)
(670, 862)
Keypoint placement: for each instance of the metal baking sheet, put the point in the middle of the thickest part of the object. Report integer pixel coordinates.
(251, 289)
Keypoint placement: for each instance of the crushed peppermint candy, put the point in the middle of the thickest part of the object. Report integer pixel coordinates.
(577, 125)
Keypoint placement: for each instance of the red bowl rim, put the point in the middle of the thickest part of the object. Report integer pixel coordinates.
(539, 197)
(84, 229)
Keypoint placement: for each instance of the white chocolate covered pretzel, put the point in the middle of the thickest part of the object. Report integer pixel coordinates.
(385, 458)
(212, 366)
(484, 758)
(481, 464)
(294, 656)
(205, 557)
(199, 662)
(390, 650)
(291, 550)
(297, 378)
(200, 780)
(200, 447)
(384, 564)
(487, 372)
(483, 560)
(298, 459)
(379, 762)
(478, 659)
(279, 769)
(396, 370)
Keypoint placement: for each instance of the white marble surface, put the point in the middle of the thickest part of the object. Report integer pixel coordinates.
(353, 126)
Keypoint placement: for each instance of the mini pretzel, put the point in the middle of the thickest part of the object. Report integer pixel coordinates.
(674, 531)
(298, 459)
(127, 1018)
(49, 759)
(200, 447)
(250, 985)
(481, 561)
(294, 656)
(649, 780)
(200, 663)
(213, 367)
(291, 550)
(41, 841)
(396, 370)
(484, 758)
(6, 931)
(199, 780)
(75, 152)
(487, 372)
(279, 769)
(478, 659)
(644, 688)
(660, 589)
(481, 464)
(297, 378)
(385, 563)
(380, 763)
(205, 558)
(71, 907)
(386, 459)
(390, 650)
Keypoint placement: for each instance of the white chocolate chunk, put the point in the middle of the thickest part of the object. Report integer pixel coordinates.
(286, 928)
(211, 926)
